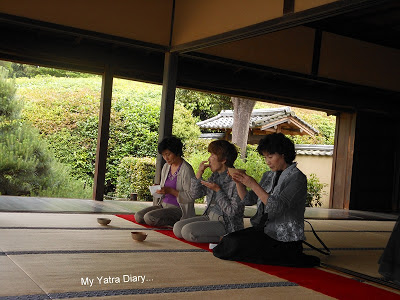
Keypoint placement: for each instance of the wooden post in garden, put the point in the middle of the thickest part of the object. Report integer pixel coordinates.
(103, 134)
(167, 104)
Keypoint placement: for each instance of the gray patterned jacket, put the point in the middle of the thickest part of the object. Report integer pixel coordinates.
(285, 205)
(226, 200)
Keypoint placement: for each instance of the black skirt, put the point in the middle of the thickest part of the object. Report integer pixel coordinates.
(390, 259)
(254, 246)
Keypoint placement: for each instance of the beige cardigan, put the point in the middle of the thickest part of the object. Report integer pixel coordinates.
(185, 200)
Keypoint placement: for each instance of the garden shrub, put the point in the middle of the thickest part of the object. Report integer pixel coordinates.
(135, 176)
(195, 145)
(27, 166)
(184, 126)
(254, 164)
(23, 161)
(314, 191)
(65, 110)
(196, 152)
(61, 184)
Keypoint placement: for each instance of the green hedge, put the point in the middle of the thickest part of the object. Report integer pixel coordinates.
(135, 175)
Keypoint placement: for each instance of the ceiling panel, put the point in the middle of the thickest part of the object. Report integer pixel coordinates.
(196, 20)
(290, 49)
(359, 62)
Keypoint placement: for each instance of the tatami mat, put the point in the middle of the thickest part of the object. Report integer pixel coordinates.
(52, 240)
(355, 245)
(350, 225)
(79, 221)
(156, 270)
(350, 239)
(57, 256)
(44, 253)
(14, 281)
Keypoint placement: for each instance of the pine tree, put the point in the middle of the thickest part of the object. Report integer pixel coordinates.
(25, 161)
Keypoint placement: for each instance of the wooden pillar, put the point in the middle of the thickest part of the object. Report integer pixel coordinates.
(342, 162)
(103, 134)
(167, 104)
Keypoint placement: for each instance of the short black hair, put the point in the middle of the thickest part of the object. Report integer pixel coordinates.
(277, 143)
(224, 151)
(171, 143)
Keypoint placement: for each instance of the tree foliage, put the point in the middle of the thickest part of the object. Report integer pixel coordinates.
(184, 125)
(22, 155)
(66, 113)
(21, 70)
(27, 167)
(203, 105)
(135, 176)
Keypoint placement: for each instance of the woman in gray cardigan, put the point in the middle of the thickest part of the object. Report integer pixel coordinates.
(176, 202)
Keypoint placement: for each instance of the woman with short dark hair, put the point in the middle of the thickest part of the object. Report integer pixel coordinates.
(277, 228)
(176, 202)
(224, 151)
(172, 144)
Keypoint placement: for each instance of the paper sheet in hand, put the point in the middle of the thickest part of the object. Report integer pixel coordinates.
(153, 190)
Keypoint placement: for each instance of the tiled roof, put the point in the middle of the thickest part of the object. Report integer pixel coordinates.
(281, 115)
(224, 120)
(314, 149)
(259, 117)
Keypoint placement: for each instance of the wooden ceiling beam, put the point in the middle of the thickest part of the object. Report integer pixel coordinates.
(280, 86)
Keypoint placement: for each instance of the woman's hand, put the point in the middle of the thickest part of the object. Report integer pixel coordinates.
(167, 190)
(245, 179)
(162, 191)
(211, 185)
(203, 165)
(251, 183)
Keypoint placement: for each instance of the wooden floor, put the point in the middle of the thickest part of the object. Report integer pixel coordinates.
(52, 248)
(64, 205)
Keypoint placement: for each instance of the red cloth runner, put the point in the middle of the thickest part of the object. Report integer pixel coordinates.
(316, 279)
